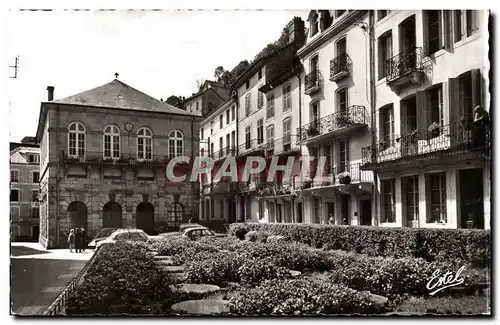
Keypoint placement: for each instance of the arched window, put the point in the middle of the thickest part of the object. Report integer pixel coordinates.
(76, 140)
(342, 96)
(144, 144)
(176, 143)
(314, 111)
(111, 142)
(175, 214)
(314, 22)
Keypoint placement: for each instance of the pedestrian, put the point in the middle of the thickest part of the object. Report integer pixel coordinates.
(78, 240)
(190, 220)
(331, 221)
(481, 126)
(84, 239)
(71, 240)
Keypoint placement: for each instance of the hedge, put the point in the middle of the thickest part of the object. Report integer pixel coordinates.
(467, 245)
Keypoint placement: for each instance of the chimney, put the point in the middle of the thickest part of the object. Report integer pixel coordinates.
(50, 93)
(296, 32)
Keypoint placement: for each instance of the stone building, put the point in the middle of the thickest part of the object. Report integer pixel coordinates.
(24, 182)
(103, 154)
(210, 96)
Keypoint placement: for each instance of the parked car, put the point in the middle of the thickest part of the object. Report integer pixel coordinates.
(197, 233)
(182, 228)
(123, 235)
(103, 234)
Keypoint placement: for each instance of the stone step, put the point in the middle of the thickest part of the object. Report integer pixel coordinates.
(165, 262)
(178, 277)
(294, 273)
(379, 300)
(162, 257)
(196, 288)
(202, 307)
(173, 268)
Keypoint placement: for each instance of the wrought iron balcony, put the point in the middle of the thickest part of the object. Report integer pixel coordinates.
(405, 68)
(271, 189)
(282, 146)
(224, 152)
(340, 67)
(312, 82)
(350, 173)
(353, 116)
(251, 146)
(455, 138)
(98, 157)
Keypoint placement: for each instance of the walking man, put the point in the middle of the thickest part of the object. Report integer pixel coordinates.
(71, 240)
(78, 240)
(84, 239)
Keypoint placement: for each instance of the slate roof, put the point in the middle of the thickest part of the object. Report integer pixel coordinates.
(119, 95)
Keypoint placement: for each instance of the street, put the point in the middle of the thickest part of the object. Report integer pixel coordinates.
(38, 276)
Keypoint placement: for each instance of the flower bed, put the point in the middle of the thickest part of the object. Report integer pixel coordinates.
(123, 279)
(468, 246)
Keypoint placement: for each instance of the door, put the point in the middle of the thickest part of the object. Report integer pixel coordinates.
(278, 213)
(366, 212)
(330, 214)
(407, 43)
(299, 212)
(471, 198)
(344, 209)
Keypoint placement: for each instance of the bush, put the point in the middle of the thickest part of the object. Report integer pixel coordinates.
(257, 270)
(251, 236)
(123, 279)
(239, 230)
(300, 297)
(275, 239)
(466, 245)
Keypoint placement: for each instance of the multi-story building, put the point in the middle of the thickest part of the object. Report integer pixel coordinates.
(335, 118)
(103, 154)
(210, 96)
(431, 154)
(218, 141)
(24, 184)
(260, 129)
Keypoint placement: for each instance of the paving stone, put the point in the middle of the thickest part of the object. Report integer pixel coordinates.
(162, 258)
(295, 273)
(197, 288)
(165, 262)
(178, 276)
(173, 269)
(202, 307)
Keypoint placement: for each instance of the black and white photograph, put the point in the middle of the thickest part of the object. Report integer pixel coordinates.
(316, 162)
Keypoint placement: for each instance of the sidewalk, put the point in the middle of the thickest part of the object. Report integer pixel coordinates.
(38, 276)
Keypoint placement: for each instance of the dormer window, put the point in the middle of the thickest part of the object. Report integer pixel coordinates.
(314, 21)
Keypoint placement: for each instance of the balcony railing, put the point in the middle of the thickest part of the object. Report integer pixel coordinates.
(340, 67)
(122, 158)
(353, 115)
(455, 138)
(282, 146)
(404, 64)
(251, 146)
(337, 176)
(224, 152)
(312, 82)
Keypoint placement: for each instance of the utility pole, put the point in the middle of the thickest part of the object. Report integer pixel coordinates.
(15, 67)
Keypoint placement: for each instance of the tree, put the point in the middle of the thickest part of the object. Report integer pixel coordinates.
(200, 83)
(219, 72)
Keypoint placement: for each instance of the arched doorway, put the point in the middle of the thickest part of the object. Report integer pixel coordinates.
(77, 213)
(112, 215)
(144, 217)
(35, 232)
(175, 215)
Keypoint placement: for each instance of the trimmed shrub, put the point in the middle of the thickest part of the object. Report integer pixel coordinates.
(467, 245)
(239, 230)
(252, 236)
(275, 239)
(123, 279)
(301, 297)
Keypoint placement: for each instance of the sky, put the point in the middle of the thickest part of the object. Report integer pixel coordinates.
(161, 53)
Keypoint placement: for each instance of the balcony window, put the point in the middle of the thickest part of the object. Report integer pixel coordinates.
(387, 126)
(384, 53)
(315, 111)
(436, 197)
(221, 146)
(76, 139)
(260, 100)
(233, 139)
(211, 149)
(14, 176)
(287, 99)
(435, 108)
(144, 144)
(111, 142)
(287, 130)
(328, 162)
(388, 194)
(260, 131)
(228, 144)
(247, 137)
(434, 25)
(15, 195)
(270, 106)
(343, 156)
(247, 104)
(410, 190)
(342, 100)
(270, 137)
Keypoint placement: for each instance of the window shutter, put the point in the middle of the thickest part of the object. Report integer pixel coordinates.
(448, 30)
(404, 118)
(422, 113)
(476, 88)
(455, 108)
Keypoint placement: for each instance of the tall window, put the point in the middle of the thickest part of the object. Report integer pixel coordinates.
(227, 116)
(270, 106)
(76, 140)
(221, 146)
(175, 214)
(287, 133)
(35, 212)
(344, 156)
(410, 185)
(228, 144)
(233, 112)
(434, 28)
(15, 195)
(211, 127)
(435, 100)
(145, 144)
(14, 176)
(465, 23)
(287, 99)
(328, 162)
(34, 195)
(221, 121)
(465, 86)
(270, 136)
(388, 200)
(233, 139)
(341, 46)
(260, 131)
(260, 100)
(314, 23)
(197, 105)
(202, 135)
(342, 100)
(111, 142)
(33, 158)
(387, 125)
(35, 177)
(436, 194)
(384, 53)
(247, 137)
(315, 111)
(211, 148)
(176, 143)
(259, 74)
(247, 104)
(15, 214)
